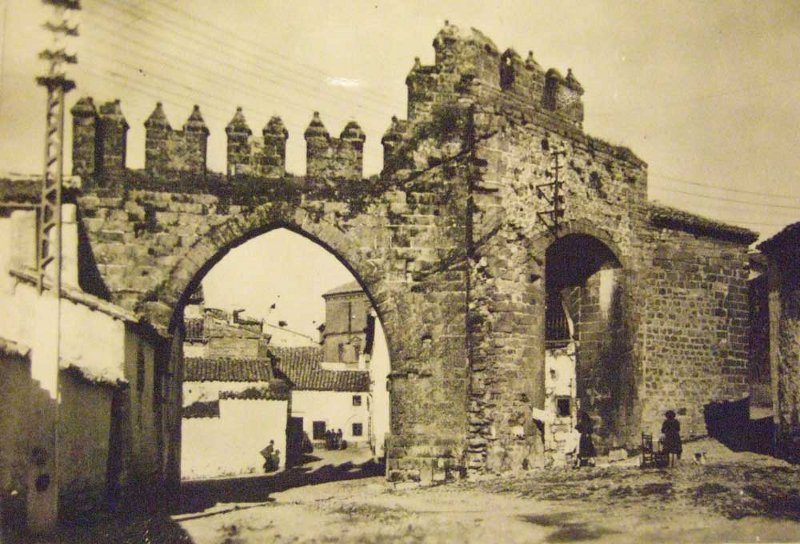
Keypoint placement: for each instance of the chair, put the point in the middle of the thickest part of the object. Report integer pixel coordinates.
(652, 458)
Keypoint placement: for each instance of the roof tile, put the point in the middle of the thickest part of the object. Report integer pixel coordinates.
(226, 369)
(300, 366)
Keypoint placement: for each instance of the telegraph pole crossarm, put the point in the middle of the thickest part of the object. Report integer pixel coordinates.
(48, 239)
(551, 194)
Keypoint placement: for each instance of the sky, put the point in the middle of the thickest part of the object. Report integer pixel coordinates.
(706, 92)
(286, 274)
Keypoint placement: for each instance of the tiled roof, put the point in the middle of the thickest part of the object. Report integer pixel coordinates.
(349, 287)
(20, 190)
(225, 369)
(78, 296)
(784, 242)
(682, 220)
(300, 366)
(276, 390)
(202, 408)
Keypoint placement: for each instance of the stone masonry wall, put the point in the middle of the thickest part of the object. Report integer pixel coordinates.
(789, 364)
(450, 245)
(510, 127)
(404, 240)
(783, 253)
(601, 185)
(693, 335)
(601, 372)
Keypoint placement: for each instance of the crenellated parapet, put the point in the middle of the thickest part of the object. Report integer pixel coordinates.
(563, 96)
(113, 139)
(85, 138)
(260, 157)
(170, 151)
(99, 141)
(394, 155)
(467, 61)
(334, 158)
(468, 52)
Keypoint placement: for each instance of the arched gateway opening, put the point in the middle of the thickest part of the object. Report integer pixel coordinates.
(284, 366)
(586, 347)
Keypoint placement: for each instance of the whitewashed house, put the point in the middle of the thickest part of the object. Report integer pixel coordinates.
(325, 400)
(82, 429)
(233, 408)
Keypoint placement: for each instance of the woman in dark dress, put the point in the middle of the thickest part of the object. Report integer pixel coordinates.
(671, 429)
(586, 451)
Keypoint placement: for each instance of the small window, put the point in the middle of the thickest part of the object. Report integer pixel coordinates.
(358, 429)
(356, 400)
(563, 406)
(319, 430)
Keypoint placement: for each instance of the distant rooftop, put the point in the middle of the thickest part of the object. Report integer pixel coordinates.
(349, 287)
(225, 369)
(786, 241)
(674, 218)
(300, 366)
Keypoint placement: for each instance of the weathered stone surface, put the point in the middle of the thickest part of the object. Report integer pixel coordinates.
(451, 243)
(783, 253)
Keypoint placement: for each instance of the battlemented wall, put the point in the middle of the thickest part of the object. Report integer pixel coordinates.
(450, 243)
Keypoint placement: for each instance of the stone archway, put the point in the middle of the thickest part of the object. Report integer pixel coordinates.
(207, 250)
(588, 364)
(190, 270)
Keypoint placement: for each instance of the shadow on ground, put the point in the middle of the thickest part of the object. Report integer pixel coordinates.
(197, 496)
(567, 530)
(730, 423)
(140, 525)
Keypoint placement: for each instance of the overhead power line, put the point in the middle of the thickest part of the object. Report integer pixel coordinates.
(724, 199)
(185, 66)
(219, 101)
(699, 98)
(277, 56)
(718, 187)
(230, 55)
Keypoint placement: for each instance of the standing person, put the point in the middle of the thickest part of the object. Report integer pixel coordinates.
(266, 453)
(338, 439)
(586, 451)
(671, 429)
(275, 461)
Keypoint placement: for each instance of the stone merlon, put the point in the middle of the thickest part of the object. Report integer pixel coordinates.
(352, 133)
(249, 155)
(334, 158)
(112, 142)
(111, 112)
(84, 138)
(168, 151)
(195, 122)
(316, 129)
(158, 119)
(238, 124)
(391, 141)
(275, 127)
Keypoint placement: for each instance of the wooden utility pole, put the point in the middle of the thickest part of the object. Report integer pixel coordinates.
(43, 471)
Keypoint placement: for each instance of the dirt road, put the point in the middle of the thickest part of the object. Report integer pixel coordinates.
(735, 497)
